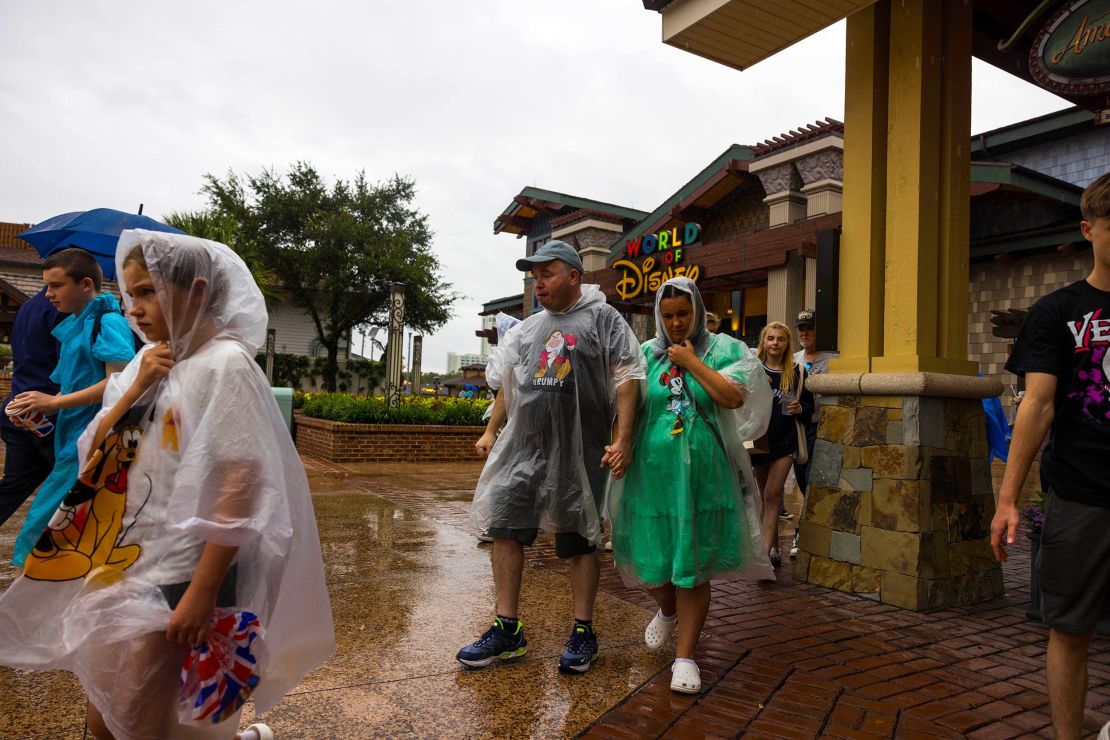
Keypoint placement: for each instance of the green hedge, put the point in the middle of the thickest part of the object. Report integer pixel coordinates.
(373, 409)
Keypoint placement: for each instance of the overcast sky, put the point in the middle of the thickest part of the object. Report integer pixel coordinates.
(119, 103)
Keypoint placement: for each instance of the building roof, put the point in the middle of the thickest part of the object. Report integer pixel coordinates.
(1049, 127)
(797, 137)
(740, 33)
(8, 232)
(501, 304)
(732, 162)
(987, 176)
(518, 216)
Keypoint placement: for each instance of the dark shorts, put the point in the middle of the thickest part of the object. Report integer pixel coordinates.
(567, 544)
(1072, 565)
(225, 597)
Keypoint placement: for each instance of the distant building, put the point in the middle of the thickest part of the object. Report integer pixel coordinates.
(456, 361)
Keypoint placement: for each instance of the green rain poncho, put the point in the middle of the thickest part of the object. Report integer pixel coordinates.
(688, 509)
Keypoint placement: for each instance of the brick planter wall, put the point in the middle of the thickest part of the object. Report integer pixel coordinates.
(340, 442)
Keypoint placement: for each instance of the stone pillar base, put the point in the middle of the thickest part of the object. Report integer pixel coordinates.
(900, 497)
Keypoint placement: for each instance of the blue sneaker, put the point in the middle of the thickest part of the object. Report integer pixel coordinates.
(497, 644)
(581, 650)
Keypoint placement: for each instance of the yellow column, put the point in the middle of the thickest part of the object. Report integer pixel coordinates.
(955, 197)
(863, 238)
(928, 130)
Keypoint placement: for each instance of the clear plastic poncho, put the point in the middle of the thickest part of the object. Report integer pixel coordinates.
(204, 456)
(558, 374)
(688, 508)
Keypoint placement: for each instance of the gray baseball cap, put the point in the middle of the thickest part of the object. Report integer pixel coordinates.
(549, 252)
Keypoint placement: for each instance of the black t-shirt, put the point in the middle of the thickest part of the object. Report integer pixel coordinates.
(1067, 334)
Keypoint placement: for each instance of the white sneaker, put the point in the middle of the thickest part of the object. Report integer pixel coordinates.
(1105, 734)
(794, 546)
(257, 731)
(659, 630)
(685, 677)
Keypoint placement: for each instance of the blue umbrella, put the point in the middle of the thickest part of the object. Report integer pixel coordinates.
(96, 231)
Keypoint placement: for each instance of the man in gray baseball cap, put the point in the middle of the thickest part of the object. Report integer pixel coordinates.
(564, 375)
(549, 252)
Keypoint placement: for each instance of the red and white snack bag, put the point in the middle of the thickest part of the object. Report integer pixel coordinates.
(37, 422)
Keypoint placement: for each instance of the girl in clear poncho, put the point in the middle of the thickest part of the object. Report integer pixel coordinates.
(687, 509)
(207, 506)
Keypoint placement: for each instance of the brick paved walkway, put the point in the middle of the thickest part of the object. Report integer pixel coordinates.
(796, 661)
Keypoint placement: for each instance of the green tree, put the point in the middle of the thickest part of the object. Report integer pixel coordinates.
(223, 228)
(337, 248)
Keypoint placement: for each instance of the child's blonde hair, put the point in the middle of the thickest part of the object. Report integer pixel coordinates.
(787, 383)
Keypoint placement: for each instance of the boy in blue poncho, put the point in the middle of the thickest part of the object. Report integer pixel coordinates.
(95, 342)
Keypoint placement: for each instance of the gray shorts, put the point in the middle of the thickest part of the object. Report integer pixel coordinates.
(1072, 565)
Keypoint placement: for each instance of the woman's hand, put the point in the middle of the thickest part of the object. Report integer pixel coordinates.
(191, 619)
(30, 402)
(155, 365)
(794, 407)
(682, 354)
(617, 457)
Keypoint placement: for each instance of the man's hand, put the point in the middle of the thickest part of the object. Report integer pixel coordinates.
(155, 365)
(1004, 524)
(617, 457)
(682, 354)
(191, 619)
(485, 443)
(30, 402)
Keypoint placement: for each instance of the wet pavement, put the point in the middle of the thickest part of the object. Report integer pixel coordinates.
(409, 585)
(407, 591)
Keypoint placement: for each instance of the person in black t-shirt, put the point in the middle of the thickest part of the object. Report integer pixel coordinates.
(1063, 351)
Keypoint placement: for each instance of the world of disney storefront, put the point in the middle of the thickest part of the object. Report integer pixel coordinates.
(752, 255)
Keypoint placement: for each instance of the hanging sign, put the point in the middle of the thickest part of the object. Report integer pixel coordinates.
(663, 257)
(1071, 54)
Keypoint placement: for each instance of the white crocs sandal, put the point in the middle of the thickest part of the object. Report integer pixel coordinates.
(658, 631)
(263, 731)
(685, 678)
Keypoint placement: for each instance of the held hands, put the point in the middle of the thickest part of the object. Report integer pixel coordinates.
(155, 365)
(191, 619)
(617, 457)
(682, 354)
(31, 402)
(485, 443)
(1005, 523)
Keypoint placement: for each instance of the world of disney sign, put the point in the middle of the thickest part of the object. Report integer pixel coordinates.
(663, 257)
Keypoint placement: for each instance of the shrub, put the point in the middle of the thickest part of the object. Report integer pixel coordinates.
(413, 410)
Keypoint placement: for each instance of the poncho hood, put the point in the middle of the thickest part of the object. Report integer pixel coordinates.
(183, 266)
(699, 336)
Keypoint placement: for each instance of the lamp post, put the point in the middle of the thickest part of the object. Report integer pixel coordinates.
(396, 344)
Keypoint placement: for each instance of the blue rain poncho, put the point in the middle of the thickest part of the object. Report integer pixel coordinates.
(80, 365)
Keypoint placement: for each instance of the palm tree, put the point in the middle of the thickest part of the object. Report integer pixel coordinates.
(222, 228)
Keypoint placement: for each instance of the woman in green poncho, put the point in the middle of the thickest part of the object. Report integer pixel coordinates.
(687, 509)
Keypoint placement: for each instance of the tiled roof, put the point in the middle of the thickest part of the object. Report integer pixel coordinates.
(517, 216)
(8, 232)
(19, 256)
(799, 136)
(582, 214)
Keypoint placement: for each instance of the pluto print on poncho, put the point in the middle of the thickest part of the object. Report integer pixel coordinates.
(214, 463)
(558, 373)
(688, 509)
